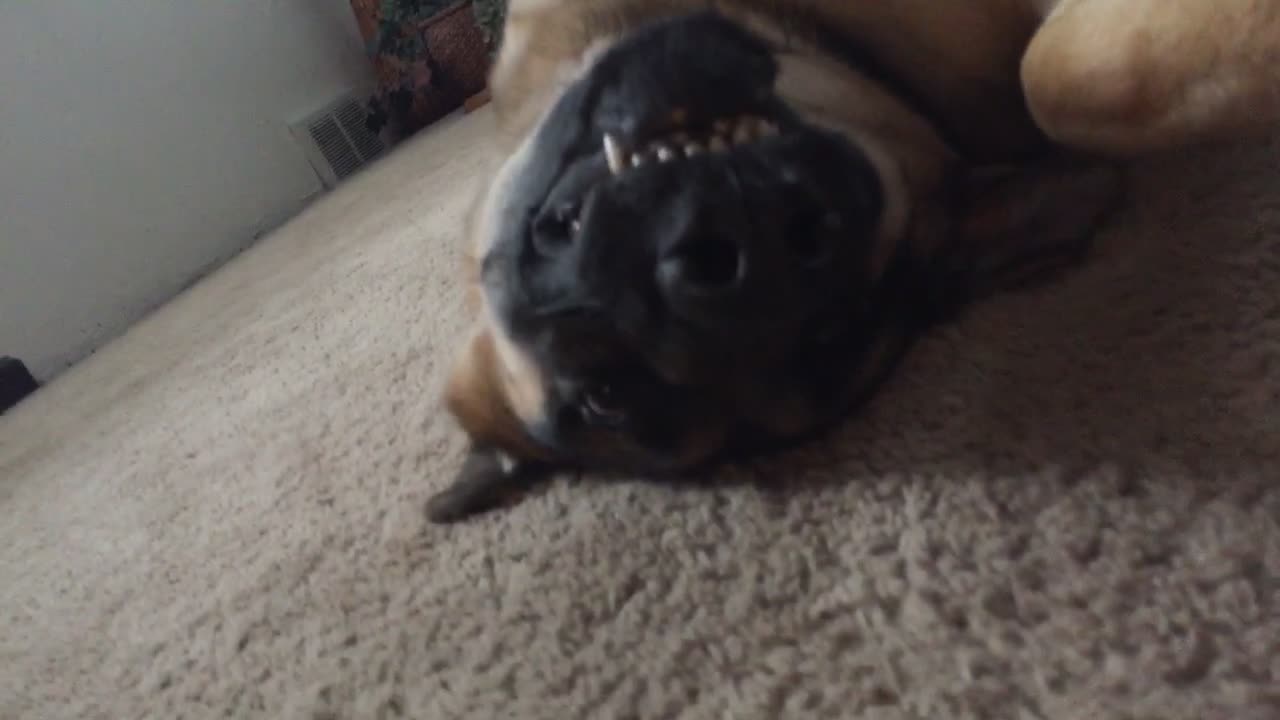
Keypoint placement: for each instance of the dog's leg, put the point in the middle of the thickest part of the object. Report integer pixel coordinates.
(1129, 76)
(1022, 226)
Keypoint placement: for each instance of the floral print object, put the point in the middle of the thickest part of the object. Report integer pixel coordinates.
(428, 57)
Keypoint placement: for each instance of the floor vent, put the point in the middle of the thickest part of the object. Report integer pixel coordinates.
(336, 140)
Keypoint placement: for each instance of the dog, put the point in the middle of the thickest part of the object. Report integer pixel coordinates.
(720, 225)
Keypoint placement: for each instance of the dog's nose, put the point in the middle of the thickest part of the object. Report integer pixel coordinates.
(734, 249)
(703, 262)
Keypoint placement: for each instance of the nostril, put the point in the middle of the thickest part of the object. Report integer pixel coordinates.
(808, 237)
(707, 263)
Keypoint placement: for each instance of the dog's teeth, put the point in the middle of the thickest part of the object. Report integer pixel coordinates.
(506, 462)
(693, 149)
(614, 154)
(743, 132)
(718, 144)
(637, 159)
(766, 129)
(575, 227)
(665, 154)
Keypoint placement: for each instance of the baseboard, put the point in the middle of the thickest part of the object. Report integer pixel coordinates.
(16, 383)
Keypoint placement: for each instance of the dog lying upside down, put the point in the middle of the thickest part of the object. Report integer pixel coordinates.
(721, 224)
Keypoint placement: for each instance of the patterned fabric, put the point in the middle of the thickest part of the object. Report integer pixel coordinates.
(425, 69)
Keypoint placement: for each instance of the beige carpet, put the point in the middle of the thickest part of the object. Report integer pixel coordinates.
(1065, 506)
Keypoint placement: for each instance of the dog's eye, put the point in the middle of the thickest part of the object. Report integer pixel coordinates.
(602, 404)
(554, 229)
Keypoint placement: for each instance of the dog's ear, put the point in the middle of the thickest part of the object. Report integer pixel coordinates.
(1013, 227)
(488, 479)
(501, 459)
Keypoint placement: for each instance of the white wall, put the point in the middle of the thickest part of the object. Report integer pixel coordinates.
(143, 142)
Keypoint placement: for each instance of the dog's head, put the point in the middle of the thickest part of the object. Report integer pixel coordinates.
(699, 247)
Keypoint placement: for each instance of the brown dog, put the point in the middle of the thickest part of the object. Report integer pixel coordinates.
(721, 224)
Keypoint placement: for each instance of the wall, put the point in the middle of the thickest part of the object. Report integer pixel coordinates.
(141, 144)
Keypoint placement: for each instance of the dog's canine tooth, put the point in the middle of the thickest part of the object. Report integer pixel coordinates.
(637, 159)
(665, 153)
(693, 148)
(614, 154)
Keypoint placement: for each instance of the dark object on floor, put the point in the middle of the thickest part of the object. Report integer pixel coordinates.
(16, 383)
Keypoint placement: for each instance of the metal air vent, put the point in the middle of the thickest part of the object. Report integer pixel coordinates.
(337, 142)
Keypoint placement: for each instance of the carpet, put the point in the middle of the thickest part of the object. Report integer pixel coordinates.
(1064, 505)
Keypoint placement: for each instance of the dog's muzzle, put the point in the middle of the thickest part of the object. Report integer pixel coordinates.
(733, 235)
(671, 187)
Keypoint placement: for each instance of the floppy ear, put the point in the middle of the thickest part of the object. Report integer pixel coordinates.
(500, 459)
(1013, 227)
(488, 479)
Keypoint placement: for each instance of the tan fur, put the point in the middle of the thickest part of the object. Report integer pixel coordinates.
(480, 395)
(1130, 76)
(1109, 76)
(963, 56)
